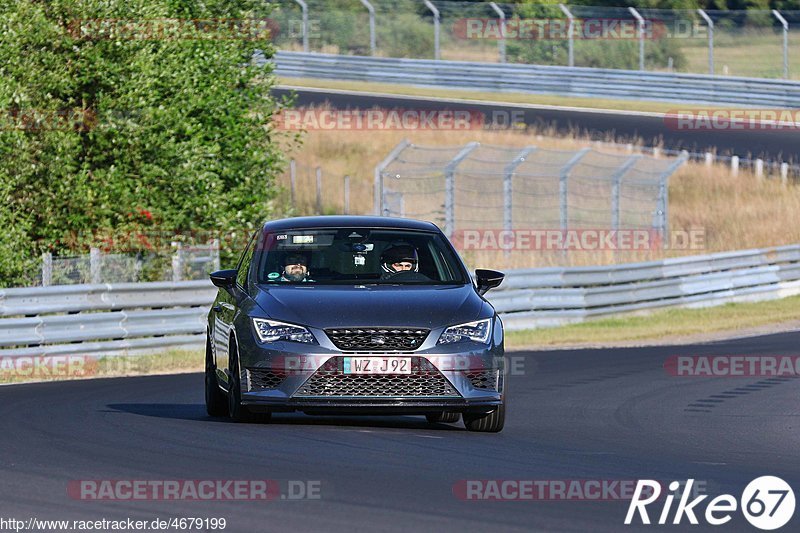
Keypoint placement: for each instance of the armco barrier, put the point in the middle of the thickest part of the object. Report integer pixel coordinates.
(131, 317)
(531, 298)
(107, 319)
(564, 81)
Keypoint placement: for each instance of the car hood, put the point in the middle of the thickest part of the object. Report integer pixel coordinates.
(322, 306)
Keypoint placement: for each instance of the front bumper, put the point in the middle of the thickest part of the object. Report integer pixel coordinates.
(373, 406)
(463, 377)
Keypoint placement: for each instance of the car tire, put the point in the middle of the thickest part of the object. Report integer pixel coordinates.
(236, 411)
(216, 400)
(444, 417)
(492, 422)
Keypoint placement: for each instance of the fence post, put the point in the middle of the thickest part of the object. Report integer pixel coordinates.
(293, 180)
(640, 28)
(378, 178)
(784, 174)
(563, 208)
(710, 40)
(759, 169)
(508, 186)
(215, 262)
(570, 34)
(616, 180)
(450, 188)
(137, 268)
(304, 7)
(372, 44)
(95, 265)
(501, 43)
(436, 21)
(177, 262)
(709, 158)
(735, 165)
(47, 269)
(319, 190)
(663, 195)
(347, 195)
(785, 25)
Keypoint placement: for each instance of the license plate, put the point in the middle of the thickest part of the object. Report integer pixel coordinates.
(377, 365)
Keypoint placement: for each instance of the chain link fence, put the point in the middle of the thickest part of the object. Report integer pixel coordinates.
(187, 262)
(752, 43)
(479, 187)
(313, 190)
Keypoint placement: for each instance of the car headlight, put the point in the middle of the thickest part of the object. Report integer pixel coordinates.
(273, 331)
(475, 331)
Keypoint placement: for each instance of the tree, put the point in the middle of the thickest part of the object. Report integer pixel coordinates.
(112, 108)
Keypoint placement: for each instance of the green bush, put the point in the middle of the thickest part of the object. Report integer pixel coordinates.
(174, 125)
(405, 35)
(599, 53)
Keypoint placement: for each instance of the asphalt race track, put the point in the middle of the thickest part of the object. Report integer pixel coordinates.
(574, 415)
(772, 145)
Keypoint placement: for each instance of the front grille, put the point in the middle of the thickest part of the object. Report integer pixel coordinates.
(377, 339)
(424, 381)
(263, 379)
(483, 379)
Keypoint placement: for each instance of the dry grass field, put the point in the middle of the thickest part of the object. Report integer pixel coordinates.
(734, 212)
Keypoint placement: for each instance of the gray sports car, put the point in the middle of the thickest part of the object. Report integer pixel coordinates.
(355, 315)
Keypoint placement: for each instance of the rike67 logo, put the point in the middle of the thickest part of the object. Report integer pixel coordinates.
(767, 503)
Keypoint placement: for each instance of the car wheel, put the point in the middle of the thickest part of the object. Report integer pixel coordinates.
(216, 402)
(492, 422)
(445, 417)
(237, 411)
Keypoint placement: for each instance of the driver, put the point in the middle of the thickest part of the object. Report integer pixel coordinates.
(399, 258)
(295, 268)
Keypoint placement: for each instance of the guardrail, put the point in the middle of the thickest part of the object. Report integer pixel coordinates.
(131, 317)
(538, 297)
(564, 81)
(103, 318)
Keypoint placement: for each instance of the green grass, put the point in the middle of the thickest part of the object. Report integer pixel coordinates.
(514, 98)
(662, 325)
(749, 54)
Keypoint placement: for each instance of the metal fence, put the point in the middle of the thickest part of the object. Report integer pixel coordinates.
(307, 190)
(133, 317)
(494, 187)
(751, 43)
(186, 262)
(541, 297)
(538, 79)
(107, 319)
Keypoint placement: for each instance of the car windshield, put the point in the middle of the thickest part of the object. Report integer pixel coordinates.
(357, 255)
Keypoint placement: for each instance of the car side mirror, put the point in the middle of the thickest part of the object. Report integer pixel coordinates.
(224, 279)
(488, 279)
